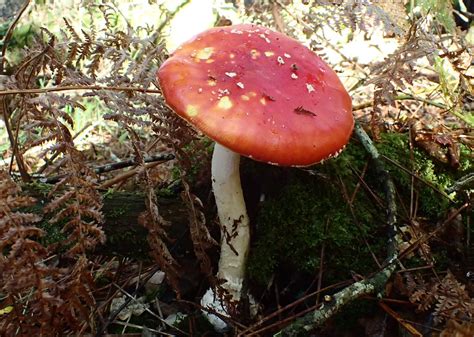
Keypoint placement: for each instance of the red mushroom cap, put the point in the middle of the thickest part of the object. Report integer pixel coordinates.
(259, 93)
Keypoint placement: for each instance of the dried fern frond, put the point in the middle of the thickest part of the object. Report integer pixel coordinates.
(78, 206)
(93, 60)
(30, 286)
(448, 298)
(314, 16)
(455, 329)
(452, 300)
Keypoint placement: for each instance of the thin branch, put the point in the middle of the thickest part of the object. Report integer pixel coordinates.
(227, 319)
(401, 97)
(280, 311)
(133, 298)
(126, 175)
(408, 327)
(467, 180)
(102, 327)
(79, 87)
(136, 326)
(171, 15)
(161, 158)
(427, 236)
(389, 186)
(131, 162)
(417, 177)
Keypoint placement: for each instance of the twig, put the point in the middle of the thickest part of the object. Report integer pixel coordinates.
(316, 318)
(427, 236)
(136, 326)
(125, 175)
(16, 154)
(410, 328)
(401, 97)
(77, 87)
(260, 332)
(250, 330)
(131, 162)
(376, 283)
(113, 315)
(467, 180)
(227, 319)
(417, 177)
(321, 266)
(134, 299)
(115, 166)
(405, 96)
(389, 187)
(171, 15)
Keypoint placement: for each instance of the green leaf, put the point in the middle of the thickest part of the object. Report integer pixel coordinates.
(6, 310)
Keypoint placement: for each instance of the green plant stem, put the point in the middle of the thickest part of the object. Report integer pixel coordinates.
(374, 284)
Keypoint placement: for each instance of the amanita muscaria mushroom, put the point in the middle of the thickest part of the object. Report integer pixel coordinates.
(260, 94)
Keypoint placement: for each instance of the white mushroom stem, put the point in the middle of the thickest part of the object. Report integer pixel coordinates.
(235, 233)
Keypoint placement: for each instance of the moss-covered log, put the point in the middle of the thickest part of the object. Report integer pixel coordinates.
(125, 236)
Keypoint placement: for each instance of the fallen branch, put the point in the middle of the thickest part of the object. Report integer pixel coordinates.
(374, 284)
(132, 162)
(155, 159)
(126, 175)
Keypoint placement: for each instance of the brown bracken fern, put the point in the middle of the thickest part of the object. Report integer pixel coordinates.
(47, 294)
(38, 297)
(448, 298)
(116, 66)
